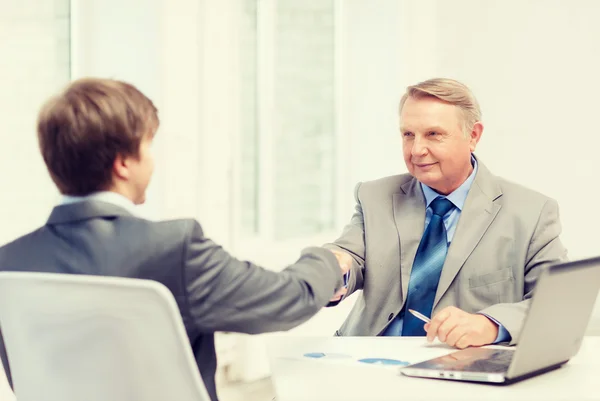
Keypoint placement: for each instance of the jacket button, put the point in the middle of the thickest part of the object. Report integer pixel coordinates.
(390, 317)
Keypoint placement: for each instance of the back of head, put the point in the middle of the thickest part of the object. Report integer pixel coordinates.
(83, 129)
(449, 91)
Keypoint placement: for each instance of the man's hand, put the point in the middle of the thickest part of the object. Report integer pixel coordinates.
(345, 262)
(460, 329)
(339, 294)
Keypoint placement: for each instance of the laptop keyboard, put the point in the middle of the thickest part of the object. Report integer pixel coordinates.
(484, 360)
(497, 362)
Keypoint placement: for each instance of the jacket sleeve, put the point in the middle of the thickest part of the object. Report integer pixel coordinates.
(352, 241)
(226, 294)
(545, 248)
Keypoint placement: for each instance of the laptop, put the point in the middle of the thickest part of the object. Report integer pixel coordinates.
(552, 333)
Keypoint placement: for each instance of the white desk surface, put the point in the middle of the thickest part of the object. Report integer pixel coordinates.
(296, 377)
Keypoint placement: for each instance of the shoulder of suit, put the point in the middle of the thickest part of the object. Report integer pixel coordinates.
(389, 184)
(185, 223)
(512, 190)
(163, 226)
(175, 227)
(20, 240)
(173, 231)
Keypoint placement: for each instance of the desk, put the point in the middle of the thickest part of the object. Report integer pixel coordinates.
(298, 378)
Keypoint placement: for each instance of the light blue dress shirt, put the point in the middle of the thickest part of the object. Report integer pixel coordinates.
(102, 196)
(458, 198)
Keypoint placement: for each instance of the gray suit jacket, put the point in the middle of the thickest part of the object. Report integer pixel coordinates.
(214, 291)
(505, 234)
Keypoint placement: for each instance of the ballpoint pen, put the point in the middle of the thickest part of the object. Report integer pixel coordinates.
(420, 316)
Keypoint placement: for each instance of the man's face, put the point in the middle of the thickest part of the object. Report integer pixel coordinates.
(436, 152)
(141, 169)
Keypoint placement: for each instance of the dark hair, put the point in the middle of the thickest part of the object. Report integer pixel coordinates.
(82, 130)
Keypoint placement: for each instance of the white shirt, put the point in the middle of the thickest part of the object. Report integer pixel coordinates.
(103, 196)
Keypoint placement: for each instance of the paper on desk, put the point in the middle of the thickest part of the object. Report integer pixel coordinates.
(373, 360)
(380, 352)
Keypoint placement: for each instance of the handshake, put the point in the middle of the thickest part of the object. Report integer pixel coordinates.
(345, 261)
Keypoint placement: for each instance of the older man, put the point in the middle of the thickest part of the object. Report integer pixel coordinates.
(449, 239)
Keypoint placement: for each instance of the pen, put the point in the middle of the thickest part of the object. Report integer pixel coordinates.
(420, 316)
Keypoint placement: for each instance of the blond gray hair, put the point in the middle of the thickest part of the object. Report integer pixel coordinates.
(449, 91)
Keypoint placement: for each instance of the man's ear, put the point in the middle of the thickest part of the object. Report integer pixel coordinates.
(475, 135)
(121, 167)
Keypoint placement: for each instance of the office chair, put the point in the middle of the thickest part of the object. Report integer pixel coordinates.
(90, 338)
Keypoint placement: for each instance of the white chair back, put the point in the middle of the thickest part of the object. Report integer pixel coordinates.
(89, 338)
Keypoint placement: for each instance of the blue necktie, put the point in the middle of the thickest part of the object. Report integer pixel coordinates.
(427, 268)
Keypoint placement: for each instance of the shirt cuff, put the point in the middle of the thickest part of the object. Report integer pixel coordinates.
(503, 334)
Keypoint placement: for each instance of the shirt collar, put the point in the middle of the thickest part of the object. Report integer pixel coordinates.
(459, 195)
(103, 196)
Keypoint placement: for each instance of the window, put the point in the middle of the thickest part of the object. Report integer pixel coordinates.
(35, 63)
(248, 138)
(287, 154)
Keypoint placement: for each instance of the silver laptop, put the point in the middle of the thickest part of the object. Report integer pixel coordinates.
(552, 333)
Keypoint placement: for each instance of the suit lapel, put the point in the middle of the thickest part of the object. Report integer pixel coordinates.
(478, 213)
(409, 216)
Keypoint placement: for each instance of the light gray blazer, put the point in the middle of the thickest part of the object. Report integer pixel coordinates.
(506, 233)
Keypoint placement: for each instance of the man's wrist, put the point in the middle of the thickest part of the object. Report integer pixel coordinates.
(491, 329)
(502, 334)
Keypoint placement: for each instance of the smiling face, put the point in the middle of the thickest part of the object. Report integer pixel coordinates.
(436, 151)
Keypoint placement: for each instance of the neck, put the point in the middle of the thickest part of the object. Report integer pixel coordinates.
(124, 191)
(454, 186)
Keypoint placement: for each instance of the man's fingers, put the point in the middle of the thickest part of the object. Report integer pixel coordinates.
(339, 294)
(436, 322)
(463, 342)
(454, 335)
(446, 328)
(460, 329)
